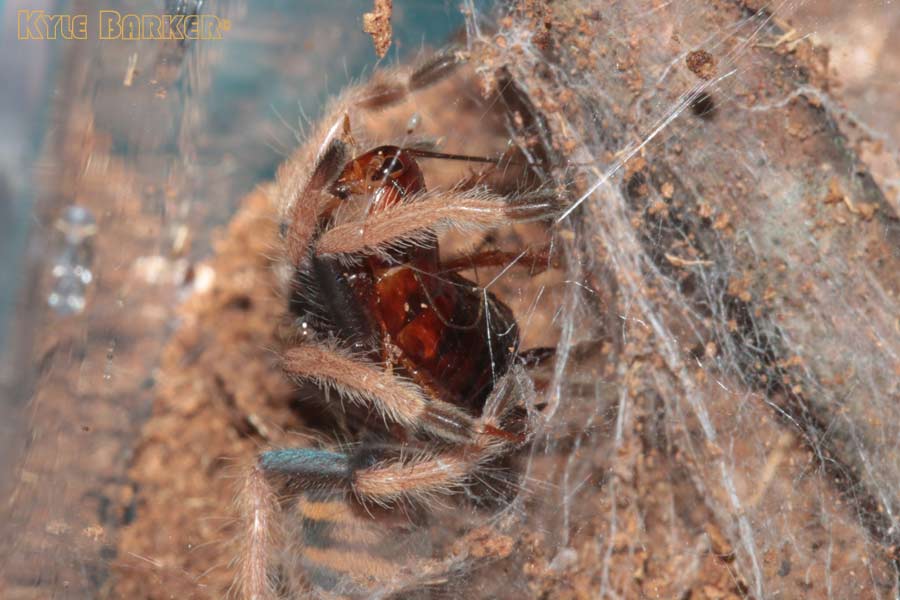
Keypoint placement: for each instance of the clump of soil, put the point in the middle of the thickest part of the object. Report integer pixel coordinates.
(219, 381)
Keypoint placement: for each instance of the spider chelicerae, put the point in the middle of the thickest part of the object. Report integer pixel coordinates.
(414, 360)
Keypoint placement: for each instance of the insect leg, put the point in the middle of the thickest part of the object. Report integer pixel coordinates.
(537, 261)
(438, 67)
(381, 92)
(387, 89)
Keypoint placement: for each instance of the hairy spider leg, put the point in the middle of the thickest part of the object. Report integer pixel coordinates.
(342, 546)
(328, 479)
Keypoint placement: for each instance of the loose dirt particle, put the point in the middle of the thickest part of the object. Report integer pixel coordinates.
(378, 24)
(702, 64)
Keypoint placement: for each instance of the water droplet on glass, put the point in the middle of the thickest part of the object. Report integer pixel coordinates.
(110, 355)
(71, 268)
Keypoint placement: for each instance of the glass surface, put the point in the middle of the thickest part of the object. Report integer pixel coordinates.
(122, 160)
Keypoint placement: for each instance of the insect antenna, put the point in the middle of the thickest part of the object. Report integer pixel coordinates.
(422, 153)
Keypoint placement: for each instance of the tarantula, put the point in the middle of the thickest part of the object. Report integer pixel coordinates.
(415, 360)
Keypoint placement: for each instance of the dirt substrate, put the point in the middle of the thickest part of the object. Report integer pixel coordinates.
(219, 380)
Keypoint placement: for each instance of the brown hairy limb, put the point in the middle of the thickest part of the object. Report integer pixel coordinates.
(428, 214)
(303, 216)
(257, 505)
(397, 400)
